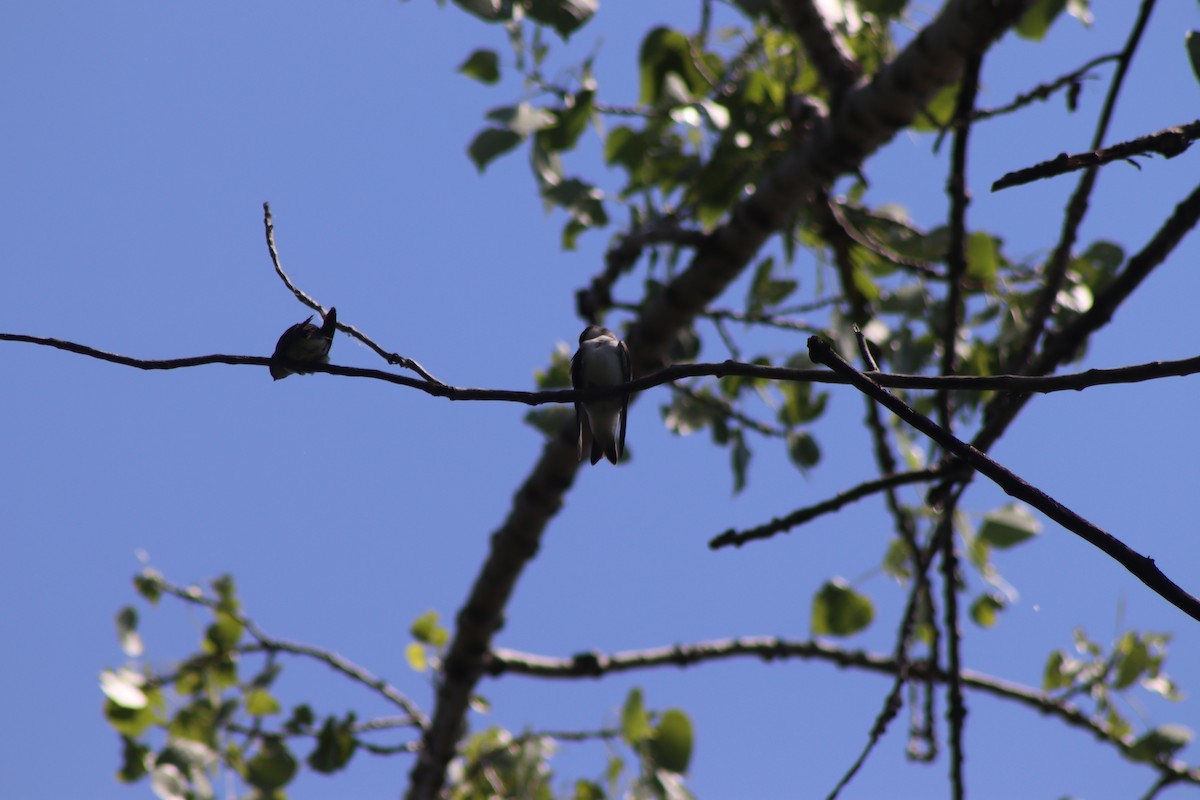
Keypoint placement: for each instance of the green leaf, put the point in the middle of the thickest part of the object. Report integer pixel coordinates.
(581, 200)
(626, 147)
(803, 450)
(168, 783)
(765, 290)
(587, 790)
(838, 610)
(487, 10)
(1008, 526)
(983, 257)
(260, 703)
(985, 609)
(665, 53)
(272, 767)
(671, 744)
(124, 688)
(425, 628)
(491, 143)
(196, 721)
(415, 654)
(558, 374)
(570, 122)
(1133, 660)
(1161, 743)
(938, 113)
(1192, 41)
(523, 119)
(127, 622)
(335, 745)
(149, 585)
(565, 16)
(800, 405)
(897, 561)
(483, 65)
(133, 760)
(635, 722)
(302, 718)
(1038, 17)
(223, 635)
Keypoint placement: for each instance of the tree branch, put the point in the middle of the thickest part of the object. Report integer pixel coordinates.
(501, 661)
(737, 538)
(867, 117)
(1141, 567)
(392, 358)
(1017, 384)
(1167, 143)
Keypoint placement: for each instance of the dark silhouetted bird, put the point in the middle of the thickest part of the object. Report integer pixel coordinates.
(602, 360)
(303, 343)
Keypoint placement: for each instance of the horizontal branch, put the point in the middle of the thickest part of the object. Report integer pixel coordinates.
(1022, 384)
(1140, 566)
(502, 661)
(1167, 143)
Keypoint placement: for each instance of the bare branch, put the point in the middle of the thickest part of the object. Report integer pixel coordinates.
(1167, 143)
(1142, 567)
(1015, 384)
(501, 661)
(737, 538)
(271, 644)
(392, 358)
(1055, 270)
(1043, 91)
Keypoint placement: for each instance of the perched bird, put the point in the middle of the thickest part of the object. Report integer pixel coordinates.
(601, 360)
(303, 342)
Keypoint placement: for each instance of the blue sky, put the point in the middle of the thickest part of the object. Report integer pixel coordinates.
(140, 142)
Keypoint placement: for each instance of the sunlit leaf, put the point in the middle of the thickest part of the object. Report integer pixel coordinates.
(635, 722)
(838, 610)
(671, 743)
(1008, 526)
(1161, 743)
(483, 65)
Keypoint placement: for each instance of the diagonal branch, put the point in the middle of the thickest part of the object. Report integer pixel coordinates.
(1140, 566)
(784, 524)
(392, 358)
(1167, 143)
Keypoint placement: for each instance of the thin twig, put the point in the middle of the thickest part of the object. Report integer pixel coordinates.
(785, 524)
(270, 644)
(392, 358)
(1043, 91)
(1167, 143)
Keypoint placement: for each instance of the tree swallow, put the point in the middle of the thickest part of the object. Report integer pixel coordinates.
(304, 342)
(602, 360)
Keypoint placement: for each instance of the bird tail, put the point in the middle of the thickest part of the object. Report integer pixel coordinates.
(330, 324)
(604, 449)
